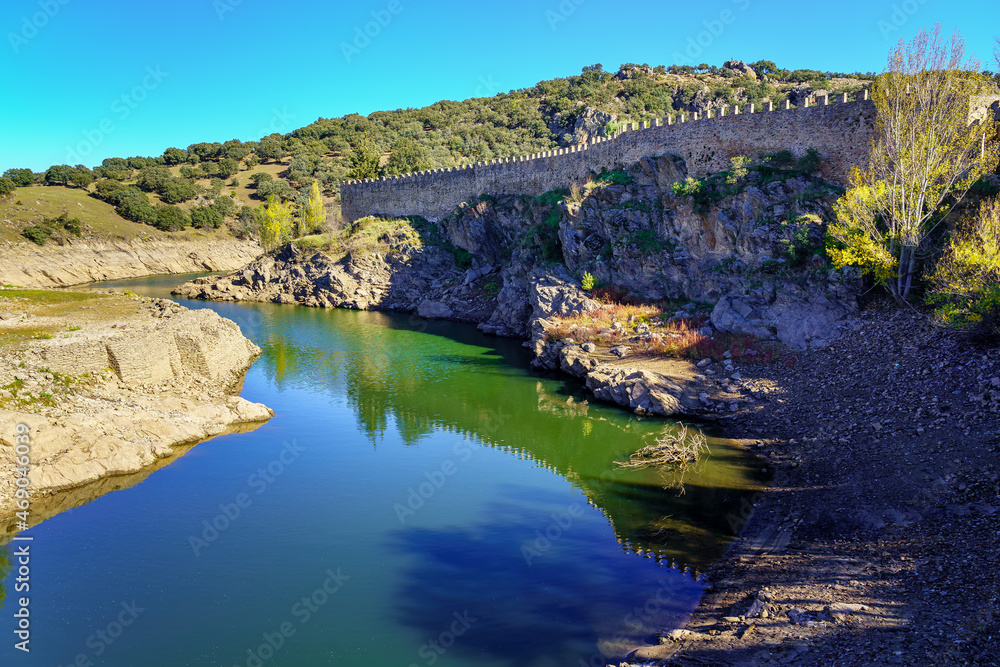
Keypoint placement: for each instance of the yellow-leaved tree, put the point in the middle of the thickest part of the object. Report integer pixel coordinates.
(275, 221)
(315, 212)
(966, 280)
(927, 151)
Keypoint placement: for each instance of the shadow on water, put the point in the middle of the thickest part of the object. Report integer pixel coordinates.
(536, 559)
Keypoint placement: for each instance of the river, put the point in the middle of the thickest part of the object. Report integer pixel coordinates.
(419, 498)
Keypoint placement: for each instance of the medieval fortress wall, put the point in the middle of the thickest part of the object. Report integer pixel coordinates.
(839, 129)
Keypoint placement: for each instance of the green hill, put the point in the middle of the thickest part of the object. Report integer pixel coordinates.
(209, 185)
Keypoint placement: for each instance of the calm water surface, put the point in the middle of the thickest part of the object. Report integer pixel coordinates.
(419, 498)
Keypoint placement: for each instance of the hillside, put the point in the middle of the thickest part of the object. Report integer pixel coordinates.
(558, 112)
(214, 184)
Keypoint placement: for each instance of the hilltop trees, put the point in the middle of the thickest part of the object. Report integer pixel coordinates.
(63, 174)
(364, 160)
(924, 157)
(21, 177)
(6, 186)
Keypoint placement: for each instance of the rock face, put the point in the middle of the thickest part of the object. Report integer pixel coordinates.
(589, 123)
(642, 391)
(799, 322)
(738, 249)
(122, 395)
(404, 281)
(29, 265)
(740, 68)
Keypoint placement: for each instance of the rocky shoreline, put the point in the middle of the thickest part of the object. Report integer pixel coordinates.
(110, 384)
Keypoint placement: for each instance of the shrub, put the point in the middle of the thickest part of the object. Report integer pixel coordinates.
(37, 233)
(53, 228)
(178, 190)
(618, 177)
(781, 159)
(965, 284)
(589, 282)
(688, 188)
(809, 162)
(133, 205)
(205, 217)
(152, 178)
(738, 169)
(171, 218)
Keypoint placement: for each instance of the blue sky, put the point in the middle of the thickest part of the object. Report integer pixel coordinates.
(89, 79)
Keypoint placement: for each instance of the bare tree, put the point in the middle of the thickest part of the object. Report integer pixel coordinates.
(925, 156)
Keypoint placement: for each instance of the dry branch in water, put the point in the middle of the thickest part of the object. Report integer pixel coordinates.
(672, 450)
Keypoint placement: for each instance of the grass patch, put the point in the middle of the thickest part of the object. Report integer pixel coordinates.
(618, 177)
(369, 235)
(39, 297)
(614, 323)
(552, 196)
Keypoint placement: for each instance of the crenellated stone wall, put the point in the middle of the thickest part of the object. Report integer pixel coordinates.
(839, 129)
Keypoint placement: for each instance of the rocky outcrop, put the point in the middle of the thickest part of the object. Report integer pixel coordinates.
(116, 397)
(83, 261)
(406, 280)
(740, 68)
(589, 123)
(800, 321)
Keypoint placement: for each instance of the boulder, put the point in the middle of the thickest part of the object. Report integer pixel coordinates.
(433, 309)
(740, 68)
(811, 320)
(589, 123)
(642, 391)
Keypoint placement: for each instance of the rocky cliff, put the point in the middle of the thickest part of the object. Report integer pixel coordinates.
(124, 381)
(745, 247)
(82, 261)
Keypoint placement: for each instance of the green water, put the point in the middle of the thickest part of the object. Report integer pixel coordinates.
(419, 498)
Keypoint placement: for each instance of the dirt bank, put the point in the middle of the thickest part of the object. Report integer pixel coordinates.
(88, 260)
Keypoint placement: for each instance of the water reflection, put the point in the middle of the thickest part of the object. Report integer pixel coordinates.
(395, 376)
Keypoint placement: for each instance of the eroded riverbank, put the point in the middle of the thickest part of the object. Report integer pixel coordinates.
(108, 384)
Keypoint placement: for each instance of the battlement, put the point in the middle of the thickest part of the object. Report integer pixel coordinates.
(839, 128)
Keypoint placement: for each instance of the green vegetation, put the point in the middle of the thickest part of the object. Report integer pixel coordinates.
(275, 222)
(925, 158)
(588, 282)
(58, 228)
(618, 177)
(965, 284)
(806, 240)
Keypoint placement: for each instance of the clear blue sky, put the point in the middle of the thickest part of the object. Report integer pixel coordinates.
(99, 78)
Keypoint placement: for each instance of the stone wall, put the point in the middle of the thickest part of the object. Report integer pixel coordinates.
(840, 130)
